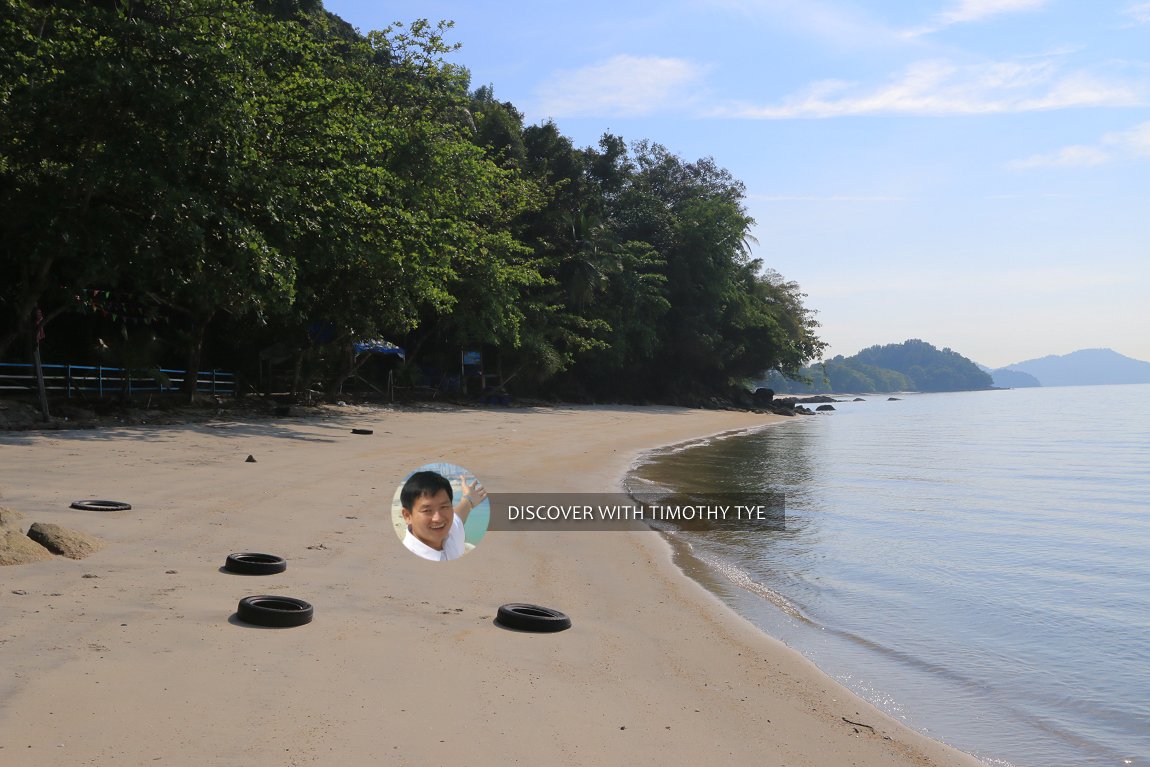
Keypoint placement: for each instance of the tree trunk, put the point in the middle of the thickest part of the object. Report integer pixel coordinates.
(33, 327)
(195, 354)
(346, 369)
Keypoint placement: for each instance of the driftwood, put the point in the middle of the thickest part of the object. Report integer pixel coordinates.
(858, 724)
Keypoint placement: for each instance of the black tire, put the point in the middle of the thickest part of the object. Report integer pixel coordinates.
(251, 563)
(531, 618)
(363, 431)
(278, 612)
(93, 505)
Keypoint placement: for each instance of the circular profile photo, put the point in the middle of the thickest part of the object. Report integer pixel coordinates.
(440, 511)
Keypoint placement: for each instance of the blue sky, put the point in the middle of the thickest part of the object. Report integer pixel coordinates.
(973, 173)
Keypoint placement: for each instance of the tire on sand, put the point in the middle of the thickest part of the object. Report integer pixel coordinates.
(523, 617)
(95, 505)
(252, 563)
(275, 611)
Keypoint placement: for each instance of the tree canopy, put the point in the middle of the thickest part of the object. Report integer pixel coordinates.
(219, 176)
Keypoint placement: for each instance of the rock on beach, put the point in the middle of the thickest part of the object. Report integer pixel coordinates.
(18, 549)
(63, 541)
(10, 519)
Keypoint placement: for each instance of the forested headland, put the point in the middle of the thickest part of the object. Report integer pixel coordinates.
(913, 365)
(209, 183)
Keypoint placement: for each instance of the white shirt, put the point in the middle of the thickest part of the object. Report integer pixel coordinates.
(453, 547)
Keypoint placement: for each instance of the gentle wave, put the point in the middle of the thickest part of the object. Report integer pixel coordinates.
(974, 563)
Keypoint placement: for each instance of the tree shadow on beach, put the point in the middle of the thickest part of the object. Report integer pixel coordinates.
(302, 430)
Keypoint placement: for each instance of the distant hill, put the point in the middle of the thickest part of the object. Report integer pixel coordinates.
(1007, 378)
(913, 365)
(1085, 367)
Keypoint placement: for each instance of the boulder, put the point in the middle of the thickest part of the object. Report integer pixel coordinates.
(763, 396)
(858, 399)
(893, 399)
(825, 407)
(63, 541)
(18, 549)
(10, 518)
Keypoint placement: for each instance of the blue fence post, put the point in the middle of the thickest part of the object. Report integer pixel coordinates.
(68, 380)
(100, 380)
(213, 382)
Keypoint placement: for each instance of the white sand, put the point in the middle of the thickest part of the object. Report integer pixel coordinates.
(402, 664)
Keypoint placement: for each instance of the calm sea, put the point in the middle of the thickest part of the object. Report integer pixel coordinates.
(976, 564)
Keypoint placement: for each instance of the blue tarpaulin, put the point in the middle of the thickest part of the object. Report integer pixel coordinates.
(378, 346)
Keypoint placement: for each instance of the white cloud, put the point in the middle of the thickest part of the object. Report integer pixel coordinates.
(966, 11)
(836, 24)
(976, 10)
(943, 88)
(1075, 156)
(1139, 12)
(1130, 144)
(1135, 141)
(622, 86)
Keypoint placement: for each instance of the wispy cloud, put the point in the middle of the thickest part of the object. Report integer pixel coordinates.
(966, 11)
(824, 198)
(1130, 144)
(977, 10)
(839, 25)
(1139, 12)
(1076, 156)
(622, 86)
(942, 88)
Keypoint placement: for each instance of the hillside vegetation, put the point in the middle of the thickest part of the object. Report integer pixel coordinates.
(913, 365)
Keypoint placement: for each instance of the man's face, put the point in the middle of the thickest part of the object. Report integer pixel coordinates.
(430, 518)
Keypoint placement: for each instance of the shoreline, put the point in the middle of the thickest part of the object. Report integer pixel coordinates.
(655, 668)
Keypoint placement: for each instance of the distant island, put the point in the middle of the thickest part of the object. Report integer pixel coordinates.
(1085, 367)
(912, 365)
(916, 365)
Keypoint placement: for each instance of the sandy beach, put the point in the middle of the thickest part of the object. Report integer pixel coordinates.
(133, 656)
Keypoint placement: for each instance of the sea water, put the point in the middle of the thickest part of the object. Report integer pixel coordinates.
(977, 564)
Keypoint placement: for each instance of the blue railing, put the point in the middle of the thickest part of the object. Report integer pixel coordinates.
(107, 381)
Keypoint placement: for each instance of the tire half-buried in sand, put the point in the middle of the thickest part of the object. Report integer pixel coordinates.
(275, 611)
(252, 563)
(522, 617)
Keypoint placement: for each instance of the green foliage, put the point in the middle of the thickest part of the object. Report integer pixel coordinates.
(910, 366)
(263, 166)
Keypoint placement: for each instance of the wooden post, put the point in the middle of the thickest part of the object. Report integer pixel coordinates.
(40, 382)
(37, 334)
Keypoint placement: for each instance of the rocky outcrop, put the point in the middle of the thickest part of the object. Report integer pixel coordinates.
(825, 408)
(63, 541)
(10, 519)
(18, 549)
(763, 397)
